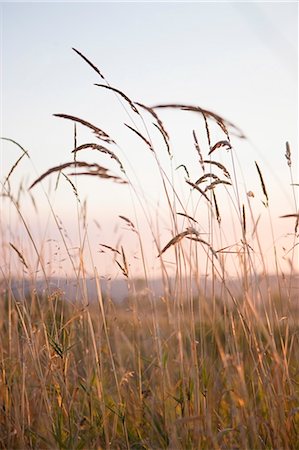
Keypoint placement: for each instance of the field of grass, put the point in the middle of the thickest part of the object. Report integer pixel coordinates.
(211, 363)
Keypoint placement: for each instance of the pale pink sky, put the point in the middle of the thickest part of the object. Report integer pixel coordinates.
(237, 59)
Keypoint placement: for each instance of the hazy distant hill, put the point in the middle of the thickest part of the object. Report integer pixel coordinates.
(117, 289)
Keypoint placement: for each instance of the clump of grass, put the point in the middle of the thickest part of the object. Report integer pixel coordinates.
(209, 362)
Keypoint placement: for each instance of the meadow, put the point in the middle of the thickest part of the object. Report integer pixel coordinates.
(211, 362)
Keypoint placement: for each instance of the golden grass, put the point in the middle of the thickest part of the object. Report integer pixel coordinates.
(208, 363)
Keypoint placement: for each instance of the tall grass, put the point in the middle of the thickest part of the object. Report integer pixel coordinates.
(211, 362)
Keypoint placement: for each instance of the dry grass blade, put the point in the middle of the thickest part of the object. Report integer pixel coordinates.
(290, 215)
(52, 170)
(220, 144)
(75, 135)
(13, 167)
(15, 143)
(110, 248)
(72, 185)
(128, 222)
(93, 172)
(255, 228)
(220, 166)
(90, 63)
(206, 112)
(187, 216)
(262, 184)
(98, 132)
(177, 239)
(225, 249)
(124, 266)
(218, 217)
(124, 96)
(202, 241)
(205, 176)
(223, 128)
(218, 119)
(207, 127)
(296, 215)
(125, 261)
(198, 150)
(288, 154)
(164, 138)
(199, 190)
(101, 149)
(292, 248)
(122, 269)
(215, 183)
(155, 115)
(243, 220)
(33, 202)
(185, 168)
(141, 137)
(95, 169)
(57, 181)
(21, 257)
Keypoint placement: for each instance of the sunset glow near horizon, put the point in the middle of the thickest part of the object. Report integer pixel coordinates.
(239, 60)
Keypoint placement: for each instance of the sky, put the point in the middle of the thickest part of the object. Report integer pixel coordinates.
(237, 59)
